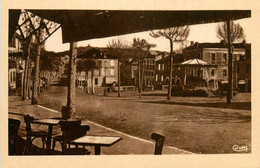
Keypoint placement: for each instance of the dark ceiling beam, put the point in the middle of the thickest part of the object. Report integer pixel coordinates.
(126, 22)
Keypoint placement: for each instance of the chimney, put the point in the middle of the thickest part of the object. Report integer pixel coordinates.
(164, 54)
(197, 44)
(223, 42)
(191, 43)
(244, 42)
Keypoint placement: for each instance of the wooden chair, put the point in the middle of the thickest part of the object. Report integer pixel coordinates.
(33, 134)
(59, 137)
(159, 142)
(71, 130)
(56, 138)
(13, 128)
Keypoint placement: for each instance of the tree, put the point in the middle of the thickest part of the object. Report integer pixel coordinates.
(93, 65)
(28, 50)
(118, 48)
(34, 29)
(143, 48)
(32, 52)
(81, 66)
(174, 35)
(87, 65)
(26, 53)
(236, 32)
(28, 35)
(48, 65)
(36, 83)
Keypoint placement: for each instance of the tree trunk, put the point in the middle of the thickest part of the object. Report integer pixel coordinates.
(118, 68)
(36, 76)
(26, 69)
(139, 79)
(170, 73)
(142, 64)
(81, 77)
(236, 74)
(29, 79)
(50, 79)
(92, 82)
(47, 79)
(71, 80)
(86, 82)
(230, 80)
(142, 74)
(39, 83)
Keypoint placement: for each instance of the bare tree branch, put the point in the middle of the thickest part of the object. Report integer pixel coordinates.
(143, 46)
(236, 31)
(175, 35)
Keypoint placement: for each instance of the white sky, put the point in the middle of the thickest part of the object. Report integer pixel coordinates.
(198, 33)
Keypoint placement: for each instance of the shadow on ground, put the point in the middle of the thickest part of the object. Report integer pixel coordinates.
(34, 150)
(235, 105)
(154, 94)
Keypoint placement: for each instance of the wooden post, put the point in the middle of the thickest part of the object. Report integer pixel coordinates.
(71, 79)
(230, 80)
(36, 76)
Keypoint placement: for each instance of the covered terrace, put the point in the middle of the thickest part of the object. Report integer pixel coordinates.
(78, 25)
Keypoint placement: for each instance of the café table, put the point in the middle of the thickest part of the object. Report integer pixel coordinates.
(50, 122)
(97, 141)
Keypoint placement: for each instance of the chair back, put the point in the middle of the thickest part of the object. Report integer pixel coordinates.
(28, 119)
(159, 142)
(13, 128)
(70, 130)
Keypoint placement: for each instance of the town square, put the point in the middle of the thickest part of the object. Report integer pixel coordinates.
(129, 82)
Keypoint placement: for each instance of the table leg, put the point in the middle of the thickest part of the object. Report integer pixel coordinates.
(48, 143)
(97, 149)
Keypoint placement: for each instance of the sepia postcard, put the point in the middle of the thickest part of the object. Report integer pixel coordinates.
(141, 84)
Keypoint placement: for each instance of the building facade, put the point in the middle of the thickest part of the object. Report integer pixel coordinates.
(162, 70)
(16, 65)
(149, 66)
(106, 73)
(216, 54)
